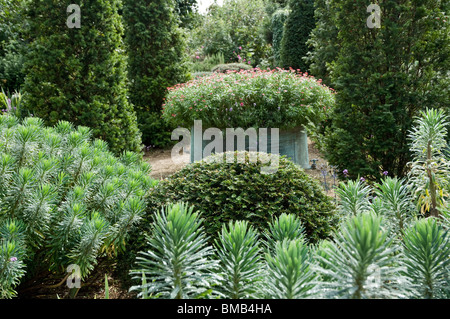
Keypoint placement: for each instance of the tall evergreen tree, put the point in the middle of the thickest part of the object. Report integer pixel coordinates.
(12, 44)
(79, 74)
(297, 30)
(384, 77)
(156, 50)
(277, 23)
(323, 47)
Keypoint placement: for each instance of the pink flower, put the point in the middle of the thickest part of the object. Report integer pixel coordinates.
(240, 48)
(197, 57)
(239, 57)
(242, 103)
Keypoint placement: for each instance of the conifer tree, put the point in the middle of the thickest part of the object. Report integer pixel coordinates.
(322, 44)
(156, 51)
(277, 23)
(384, 77)
(78, 74)
(297, 30)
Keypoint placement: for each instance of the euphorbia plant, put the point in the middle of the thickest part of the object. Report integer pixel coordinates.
(65, 199)
(430, 169)
(256, 98)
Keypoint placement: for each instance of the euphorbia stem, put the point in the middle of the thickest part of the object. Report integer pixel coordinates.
(433, 210)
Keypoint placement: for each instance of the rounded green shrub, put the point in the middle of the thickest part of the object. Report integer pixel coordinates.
(239, 190)
(256, 98)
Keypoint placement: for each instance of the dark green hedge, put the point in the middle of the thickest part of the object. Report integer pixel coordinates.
(156, 60)
(297, 29)
(238, 191)
(79, 74)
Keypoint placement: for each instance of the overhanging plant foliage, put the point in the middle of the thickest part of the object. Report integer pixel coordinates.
(252, 98)
(64, 198)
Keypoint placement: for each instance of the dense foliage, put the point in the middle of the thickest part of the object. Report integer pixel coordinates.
(255, 98)
(64, 199)
(240, 190)
(297, 29)
(79, 74)
(277, 26)
(322, 42)
(12, 44)
(186, 11)
(384, 246)
(76, 104)
(156, 57)
(384, 77)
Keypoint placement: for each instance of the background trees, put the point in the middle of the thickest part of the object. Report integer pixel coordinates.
(323, 47)
(234, 29)
(278, 21)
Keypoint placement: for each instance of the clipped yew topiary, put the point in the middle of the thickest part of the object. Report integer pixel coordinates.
(155, 47)
(297, 29)
(239, 190)
(79, 74)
